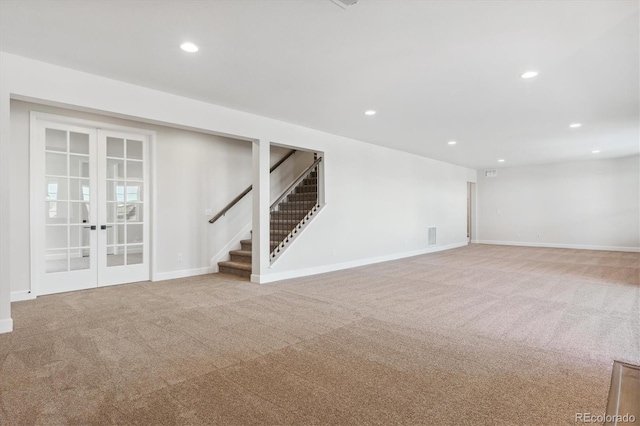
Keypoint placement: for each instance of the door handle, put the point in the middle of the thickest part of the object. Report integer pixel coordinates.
(92, 227)
(103, 227)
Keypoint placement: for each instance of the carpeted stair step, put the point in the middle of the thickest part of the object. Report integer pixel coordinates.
(279, 233)
(235, 268)
(300, 205)
(242, 256)
(246, 245)
(297, 216)
(285, 214)
(277, 237)
(275, 221)
(291, 212)
(303, 196)
(310, 181)
(287, 207)
(307, 188)
(283, 223)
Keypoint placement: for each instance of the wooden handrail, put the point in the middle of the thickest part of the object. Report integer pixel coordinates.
(246, 191)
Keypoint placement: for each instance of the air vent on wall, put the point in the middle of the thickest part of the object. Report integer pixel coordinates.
(345, 3)
(432, 236)
(490, 173)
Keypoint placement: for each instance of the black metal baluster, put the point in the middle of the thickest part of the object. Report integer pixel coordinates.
(299, 204)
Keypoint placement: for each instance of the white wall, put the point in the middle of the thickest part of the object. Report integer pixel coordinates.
(196, 172)
(380, 204)
(6, 322)
(588, 204)
(379, 201)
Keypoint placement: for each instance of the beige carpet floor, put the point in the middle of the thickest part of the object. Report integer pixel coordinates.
(481, 335)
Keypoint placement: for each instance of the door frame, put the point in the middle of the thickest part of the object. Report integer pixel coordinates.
(35, 169)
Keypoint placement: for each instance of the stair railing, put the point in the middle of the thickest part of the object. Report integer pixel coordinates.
(293, 209)
(246, 191)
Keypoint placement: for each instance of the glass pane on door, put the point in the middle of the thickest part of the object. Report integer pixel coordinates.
(78, 212)
(55, 140)
(80, 259)
(125, 165)
(56, 261)
(115, 147)
(56, 164)
(79, 166)
(134, 149)
(79, 143)
(67, 189)
(115, 256)
(134, 254)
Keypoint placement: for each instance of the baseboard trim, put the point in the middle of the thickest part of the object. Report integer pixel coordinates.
(163, 276)
(279, 276)
(559, 245)
(19, 296)
(6, 325)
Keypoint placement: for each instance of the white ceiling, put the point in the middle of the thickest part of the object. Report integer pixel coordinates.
(434, 70)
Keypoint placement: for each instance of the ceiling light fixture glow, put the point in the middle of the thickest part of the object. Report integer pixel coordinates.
(370, 112)
(189, 47)
(595, 151)
(529, 74)
(501, 160)
(575, 125)
(452, 142)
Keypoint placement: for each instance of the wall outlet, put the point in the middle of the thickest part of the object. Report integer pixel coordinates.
(518, 234)
(538, 234)
(179, 257)
(208, 212)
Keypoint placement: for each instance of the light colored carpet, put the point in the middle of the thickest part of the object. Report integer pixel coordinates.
(478, 335)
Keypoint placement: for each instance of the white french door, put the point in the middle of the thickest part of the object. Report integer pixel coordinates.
(123, 231)
(89, 212)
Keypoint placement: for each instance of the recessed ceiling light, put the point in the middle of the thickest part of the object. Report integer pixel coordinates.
(370, 112)
(501, 160)
(529, 74)
(575, 125)
(595, 151)
(452, 142)
(189, 47)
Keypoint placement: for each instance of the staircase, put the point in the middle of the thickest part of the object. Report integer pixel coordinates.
(287, 216)
(240, 263)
